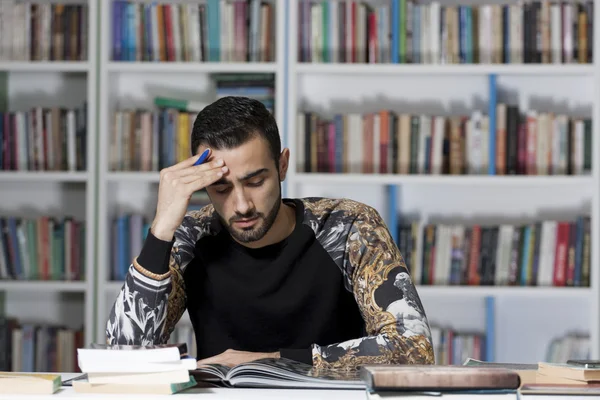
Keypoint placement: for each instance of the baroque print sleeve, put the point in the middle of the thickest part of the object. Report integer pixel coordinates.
(152, 299)
(396, 325)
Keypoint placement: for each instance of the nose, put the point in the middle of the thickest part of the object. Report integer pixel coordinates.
(243, 204)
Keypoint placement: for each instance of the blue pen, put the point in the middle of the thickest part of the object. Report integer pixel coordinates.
(202, 158)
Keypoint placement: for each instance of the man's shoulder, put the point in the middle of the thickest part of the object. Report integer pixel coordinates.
(197, 224)
(323, 210)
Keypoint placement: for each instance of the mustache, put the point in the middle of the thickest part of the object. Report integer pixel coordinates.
(250, 215)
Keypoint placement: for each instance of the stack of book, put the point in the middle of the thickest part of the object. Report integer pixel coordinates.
(545, 378)
(162, 369)
(565, 378)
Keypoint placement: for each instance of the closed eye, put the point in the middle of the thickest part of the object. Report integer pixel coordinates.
(222, 189)
(255, 184)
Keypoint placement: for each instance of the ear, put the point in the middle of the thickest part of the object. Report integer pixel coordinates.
(284, 162)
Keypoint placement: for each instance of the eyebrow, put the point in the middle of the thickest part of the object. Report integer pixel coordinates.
(249, 175)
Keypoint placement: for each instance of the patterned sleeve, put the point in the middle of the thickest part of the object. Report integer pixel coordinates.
(396, 325)
(150, 304)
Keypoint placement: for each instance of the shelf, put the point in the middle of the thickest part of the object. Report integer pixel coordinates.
(390, 179)
(460, 69)
(46, 176)
(483, 291)
(43, 286)
(44, 66)
(113, 286)
(190, 67)
(132, 176)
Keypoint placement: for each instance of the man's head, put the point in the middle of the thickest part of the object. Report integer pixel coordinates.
(243, 133)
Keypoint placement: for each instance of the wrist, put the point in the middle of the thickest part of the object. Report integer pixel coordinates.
(162, 233)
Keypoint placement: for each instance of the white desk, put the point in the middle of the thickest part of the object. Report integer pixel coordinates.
(270, 394)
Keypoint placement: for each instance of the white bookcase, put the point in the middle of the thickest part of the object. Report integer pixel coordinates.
(520, 321)
(35, 193)
(125, 84)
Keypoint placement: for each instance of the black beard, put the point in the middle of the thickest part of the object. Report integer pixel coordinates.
(252, 234)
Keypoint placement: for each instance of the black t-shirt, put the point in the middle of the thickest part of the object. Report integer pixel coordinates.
(335, 292)
(288, 295)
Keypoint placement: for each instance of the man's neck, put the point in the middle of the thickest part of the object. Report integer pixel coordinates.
(283, 227)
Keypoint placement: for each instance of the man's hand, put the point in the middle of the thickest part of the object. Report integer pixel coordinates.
(231, 358)
(177, 184)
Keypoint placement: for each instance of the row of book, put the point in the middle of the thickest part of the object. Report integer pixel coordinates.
(43, 31)
(572, 346)
(214, 31)
(44, 139)
(553, 252)
(34, 347)
(128, 233)
(153, 139)
(389, 142)
(45, 248)
(451, 347)
(415, 32)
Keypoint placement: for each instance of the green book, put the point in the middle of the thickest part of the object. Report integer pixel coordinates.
(182, 105)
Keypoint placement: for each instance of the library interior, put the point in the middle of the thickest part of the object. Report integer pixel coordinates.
(466, 126)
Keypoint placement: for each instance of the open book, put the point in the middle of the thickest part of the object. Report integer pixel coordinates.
(280, 372)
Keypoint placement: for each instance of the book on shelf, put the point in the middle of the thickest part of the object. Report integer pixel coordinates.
(44, 139)
(37, 346)
(276, 373)
(211, 31)
(129, 232)
(389, 142)
(451, 347)
(157, 138)
(554, 252)
(414, 32)
(45, 248)
(43, 31)
(571, 346)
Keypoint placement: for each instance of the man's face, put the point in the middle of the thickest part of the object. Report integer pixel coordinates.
(248, 197)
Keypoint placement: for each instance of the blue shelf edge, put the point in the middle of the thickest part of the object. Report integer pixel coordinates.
(490, 328)
(492, 91)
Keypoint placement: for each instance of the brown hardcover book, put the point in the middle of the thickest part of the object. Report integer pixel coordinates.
(437, 377)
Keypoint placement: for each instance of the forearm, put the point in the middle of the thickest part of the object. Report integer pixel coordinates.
(384, 348)
(139, 312)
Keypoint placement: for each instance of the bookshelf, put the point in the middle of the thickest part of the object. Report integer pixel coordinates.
(520, 322)
(132, 83)
(47, 94)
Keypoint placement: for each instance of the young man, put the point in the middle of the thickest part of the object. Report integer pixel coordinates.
(316, 280)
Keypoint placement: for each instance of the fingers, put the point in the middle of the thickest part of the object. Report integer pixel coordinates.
(195, 170)
(211, 360)
(196, 182)
(191, 173)
(188, 178)
(186, 163)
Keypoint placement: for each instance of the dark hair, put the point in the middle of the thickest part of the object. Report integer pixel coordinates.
(231, 121)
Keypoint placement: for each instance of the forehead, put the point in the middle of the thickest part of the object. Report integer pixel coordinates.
(249, 156)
